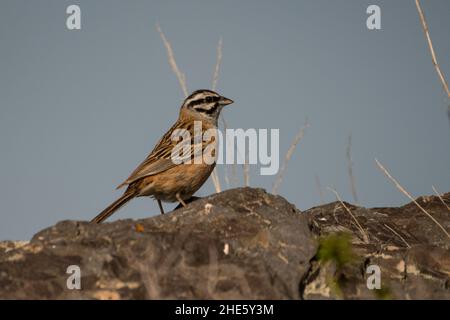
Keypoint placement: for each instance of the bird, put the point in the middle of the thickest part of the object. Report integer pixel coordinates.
(164, 179)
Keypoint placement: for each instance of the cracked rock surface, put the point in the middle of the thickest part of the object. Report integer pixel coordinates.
(240, 244)
(411, 251)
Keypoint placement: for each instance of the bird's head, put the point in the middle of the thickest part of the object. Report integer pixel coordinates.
(206, 104)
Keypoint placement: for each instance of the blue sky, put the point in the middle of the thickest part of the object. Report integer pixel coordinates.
(80, 109)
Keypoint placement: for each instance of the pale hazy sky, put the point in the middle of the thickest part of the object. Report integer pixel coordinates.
(80, 109)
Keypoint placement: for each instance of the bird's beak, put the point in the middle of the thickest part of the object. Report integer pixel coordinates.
(225, 101)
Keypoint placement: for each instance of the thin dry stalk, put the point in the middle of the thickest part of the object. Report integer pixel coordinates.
(430, 45)
(440, 197)
(350, 169)
(399, 187)
(246, 169)
(173, 64)
(288, 156)
(319, 189)
(224, 123)
(225, 176)
(233, 178)
(218, 62)
(215, 180)
(245, 166)
(215, 174)
(358, 225)
(228, 181)
(396, 233)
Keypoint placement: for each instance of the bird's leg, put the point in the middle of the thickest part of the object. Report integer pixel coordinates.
(181, 200)
(186, 201)
(160, 206)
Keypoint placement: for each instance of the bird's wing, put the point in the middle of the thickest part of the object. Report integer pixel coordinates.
(148, 168)
(160, 159)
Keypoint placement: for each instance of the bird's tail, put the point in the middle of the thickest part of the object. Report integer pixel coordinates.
(113, 207)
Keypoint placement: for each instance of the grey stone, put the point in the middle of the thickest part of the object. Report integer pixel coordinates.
(239, 244)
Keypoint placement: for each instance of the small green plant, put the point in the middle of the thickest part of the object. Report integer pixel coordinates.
(384, 293)
(337, 248)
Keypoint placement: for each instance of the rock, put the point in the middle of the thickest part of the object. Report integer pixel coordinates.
(240, 244)
(411, 251)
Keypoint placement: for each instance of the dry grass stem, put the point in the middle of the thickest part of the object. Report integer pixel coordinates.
(319, 189)
(227, 179)
(215, 174)
(246, 170)
(233, 178)
(245, 167)
(398, 235)
(440, 197)
(358, 225)
(350, 169)
(289, 153)
(226, 176)
(218, 62)
(399, 187)
(173, 64)
(430, 45)
(215, 180)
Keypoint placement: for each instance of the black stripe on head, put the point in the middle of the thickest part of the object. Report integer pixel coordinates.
(199, 101)
(209, 111)
(196, 102)
(201, 97)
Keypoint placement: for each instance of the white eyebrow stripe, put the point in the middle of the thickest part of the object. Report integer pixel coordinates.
(205, 106)
(198, 96)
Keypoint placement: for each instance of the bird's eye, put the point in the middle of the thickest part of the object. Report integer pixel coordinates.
(209, 99)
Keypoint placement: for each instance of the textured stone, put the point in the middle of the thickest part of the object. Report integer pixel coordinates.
(410, 249)
(240, 244)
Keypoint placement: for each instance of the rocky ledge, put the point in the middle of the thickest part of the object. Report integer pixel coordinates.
(240, 244)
